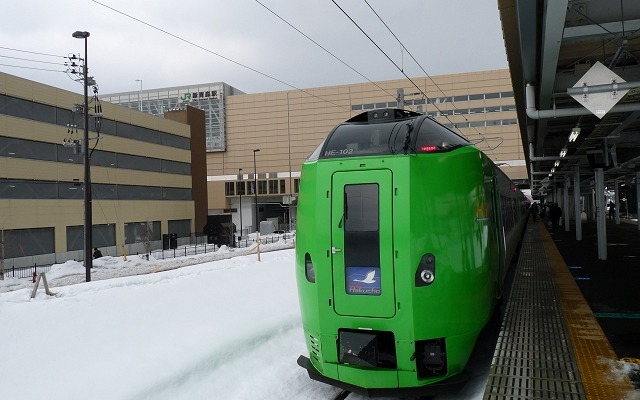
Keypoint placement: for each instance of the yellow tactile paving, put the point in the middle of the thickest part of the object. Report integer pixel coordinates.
(593, 353)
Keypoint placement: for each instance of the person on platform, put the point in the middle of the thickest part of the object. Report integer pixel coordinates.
(96, 253)
(612, 210)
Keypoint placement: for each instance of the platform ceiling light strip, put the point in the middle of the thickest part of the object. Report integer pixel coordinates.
(574, 134)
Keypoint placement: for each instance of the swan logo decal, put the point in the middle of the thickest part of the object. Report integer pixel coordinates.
(369, 278)
(363, 281)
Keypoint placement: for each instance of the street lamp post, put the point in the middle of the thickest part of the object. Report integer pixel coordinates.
(88, 260)
(255, 188)
(140, 95)
(240, 193)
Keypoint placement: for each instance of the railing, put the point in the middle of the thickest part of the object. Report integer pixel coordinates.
(25, 272)
(198, 245)
(183, 251)
(246, 242)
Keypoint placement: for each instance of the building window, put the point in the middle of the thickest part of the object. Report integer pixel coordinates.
(296, 185)
(229, 189)
(169, 193)
(262, 187)
(273, 186)
(283, 186)
(141, 232)
(103, 235)
(182, 227)
(240, 188)
(28, 242)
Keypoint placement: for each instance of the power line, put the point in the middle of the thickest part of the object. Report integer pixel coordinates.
(31, 52)
(33, 68)
(425, 72)
(216, 54)
(379, 48)
(323, 48)
(32, 60)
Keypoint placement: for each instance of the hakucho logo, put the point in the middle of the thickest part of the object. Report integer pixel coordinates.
(363, 281)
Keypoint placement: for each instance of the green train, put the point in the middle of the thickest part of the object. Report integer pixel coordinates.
(405, 231)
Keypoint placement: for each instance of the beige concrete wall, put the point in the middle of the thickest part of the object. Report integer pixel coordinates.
(287, 126)
(22, 214)
(17, 214)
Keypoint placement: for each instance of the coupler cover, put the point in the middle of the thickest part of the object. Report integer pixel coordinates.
(374, 349)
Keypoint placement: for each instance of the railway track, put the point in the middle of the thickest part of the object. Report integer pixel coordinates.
(342, 395)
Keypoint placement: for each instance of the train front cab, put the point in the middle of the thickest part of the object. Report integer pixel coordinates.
(379, 312)
(396, 267)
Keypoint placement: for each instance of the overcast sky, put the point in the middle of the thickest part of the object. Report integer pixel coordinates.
(169, 43)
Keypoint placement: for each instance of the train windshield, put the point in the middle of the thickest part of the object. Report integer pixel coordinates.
(409, 136)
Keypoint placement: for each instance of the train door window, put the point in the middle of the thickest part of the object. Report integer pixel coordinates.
(362, 236)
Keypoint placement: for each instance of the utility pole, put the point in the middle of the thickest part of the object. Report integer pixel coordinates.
(2, 253)
(255, 188)
(88, 260)
(140, 95)
(241, 186)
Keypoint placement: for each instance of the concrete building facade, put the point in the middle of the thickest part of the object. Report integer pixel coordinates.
(287, 126)
(208, 97)
(141, 172)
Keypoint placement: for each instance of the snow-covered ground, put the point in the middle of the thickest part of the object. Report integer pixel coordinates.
(214, 326)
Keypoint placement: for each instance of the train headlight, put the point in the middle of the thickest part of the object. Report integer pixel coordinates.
(426, 273)
(427, 276)
(309, 270)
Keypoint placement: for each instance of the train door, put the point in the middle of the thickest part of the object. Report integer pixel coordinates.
(496, 231)
(362, 244)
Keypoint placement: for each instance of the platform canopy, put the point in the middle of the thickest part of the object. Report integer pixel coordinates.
(575, 67)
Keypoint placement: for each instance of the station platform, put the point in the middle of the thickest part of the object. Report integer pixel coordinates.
(551, 344)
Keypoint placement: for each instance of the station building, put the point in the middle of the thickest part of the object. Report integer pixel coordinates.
(148, 175)
(262, 139)
(208, 97)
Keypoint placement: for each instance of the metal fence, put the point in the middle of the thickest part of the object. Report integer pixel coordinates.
(25, 272)
(198, 245)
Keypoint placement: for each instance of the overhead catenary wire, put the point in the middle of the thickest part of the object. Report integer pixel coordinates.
(217, 54)
(484, 138)
(266, 75)
(379, 48)
(324, 48)
(424, 71)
